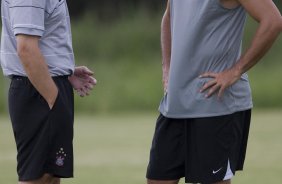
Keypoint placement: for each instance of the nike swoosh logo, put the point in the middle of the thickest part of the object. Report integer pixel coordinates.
(214, 172)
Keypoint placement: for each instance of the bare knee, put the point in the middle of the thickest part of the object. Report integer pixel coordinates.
(162, 182)
(224, 182)
(45, 179)
(50, 179)
(56, 180)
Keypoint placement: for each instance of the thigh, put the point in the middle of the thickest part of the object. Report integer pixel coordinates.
(29, 117)
(61, 120)
(36, 127)
(215, 146)
(167, 151)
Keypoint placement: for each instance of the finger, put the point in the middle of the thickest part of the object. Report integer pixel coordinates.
(92, 81)
(208, 74)
(87, 71)
(89, 86)
(87, 92)
(84, 90)
(89, 79)
(221, 92)
(80, 92)
(213, 90)
(208, 85)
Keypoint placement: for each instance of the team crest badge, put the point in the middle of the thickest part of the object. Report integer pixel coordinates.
(60, 157)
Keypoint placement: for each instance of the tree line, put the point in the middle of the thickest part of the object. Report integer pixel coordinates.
(104, 9)
(113, 8)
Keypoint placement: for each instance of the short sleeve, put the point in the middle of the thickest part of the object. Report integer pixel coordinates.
(27, 17)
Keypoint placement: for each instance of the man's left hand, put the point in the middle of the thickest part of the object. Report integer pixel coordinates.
(219, 82)
(82, 80)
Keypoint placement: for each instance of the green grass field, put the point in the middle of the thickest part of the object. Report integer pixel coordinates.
(115, 149)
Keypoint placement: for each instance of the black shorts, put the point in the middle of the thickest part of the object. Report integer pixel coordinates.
(43, 136)
(203, 150)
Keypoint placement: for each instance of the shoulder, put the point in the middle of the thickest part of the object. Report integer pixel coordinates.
(34, 3)
(51, 5)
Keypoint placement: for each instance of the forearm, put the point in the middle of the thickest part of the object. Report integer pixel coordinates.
(264, 38)
(166, 43)
(37, 72)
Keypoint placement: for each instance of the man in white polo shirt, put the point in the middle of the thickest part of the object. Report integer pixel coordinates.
(37, 54)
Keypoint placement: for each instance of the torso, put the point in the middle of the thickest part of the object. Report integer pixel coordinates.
(205, 37)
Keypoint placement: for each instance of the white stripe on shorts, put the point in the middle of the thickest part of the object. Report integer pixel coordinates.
(229, 174)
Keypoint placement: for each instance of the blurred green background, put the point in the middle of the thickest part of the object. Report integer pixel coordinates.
(120, 41)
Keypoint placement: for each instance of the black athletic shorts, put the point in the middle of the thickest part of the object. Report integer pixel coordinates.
(203, 150)
(43, 136)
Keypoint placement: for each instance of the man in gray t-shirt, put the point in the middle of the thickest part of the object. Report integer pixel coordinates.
(203, 128)
(37, 55)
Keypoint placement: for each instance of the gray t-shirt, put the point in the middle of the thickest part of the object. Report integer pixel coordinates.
(206, 37)
(48, 19)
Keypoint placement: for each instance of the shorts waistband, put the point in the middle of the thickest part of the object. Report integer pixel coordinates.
(13, 77)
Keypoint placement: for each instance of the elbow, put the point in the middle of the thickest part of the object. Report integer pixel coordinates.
(26, 46)
(271, 24)
(25, 52)
(276, 25)
(280, 25)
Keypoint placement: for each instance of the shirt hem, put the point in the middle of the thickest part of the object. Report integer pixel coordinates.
(28, 31)
(9, 74)
(204, 115)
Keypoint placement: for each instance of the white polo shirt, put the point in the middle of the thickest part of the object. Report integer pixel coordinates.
(48, 19)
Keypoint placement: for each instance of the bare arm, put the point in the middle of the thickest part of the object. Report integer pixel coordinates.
(270, 26)
(36, 68)
(166, 45)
